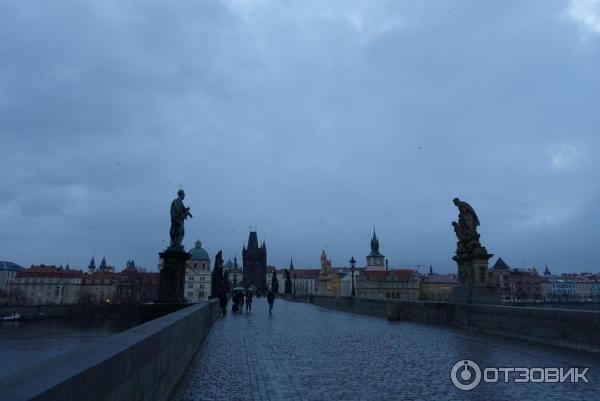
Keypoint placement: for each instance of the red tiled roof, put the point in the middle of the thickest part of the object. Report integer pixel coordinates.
(150, 278)
(91, 277)
(48, 271)
(404, 274)
(382, 275)
(129, 270)
(306, 273)
(377, 275)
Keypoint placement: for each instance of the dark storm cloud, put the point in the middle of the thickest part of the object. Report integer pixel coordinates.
(312, 120)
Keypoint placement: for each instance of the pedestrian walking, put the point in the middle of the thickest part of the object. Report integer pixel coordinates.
(270, 300)
(249, 296)
(223, 302)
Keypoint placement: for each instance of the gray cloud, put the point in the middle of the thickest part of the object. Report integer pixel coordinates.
(311, 120)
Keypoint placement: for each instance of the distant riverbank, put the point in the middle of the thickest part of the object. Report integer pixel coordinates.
(75, 311)
(25, 343)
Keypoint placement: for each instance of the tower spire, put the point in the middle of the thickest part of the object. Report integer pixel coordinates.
(374, 242)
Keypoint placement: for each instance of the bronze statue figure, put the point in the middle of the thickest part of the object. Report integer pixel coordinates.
(179, 213)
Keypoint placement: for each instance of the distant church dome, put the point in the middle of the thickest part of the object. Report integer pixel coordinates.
(198, 253)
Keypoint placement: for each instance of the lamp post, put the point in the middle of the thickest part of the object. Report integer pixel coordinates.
(294, 283)
(352, 265)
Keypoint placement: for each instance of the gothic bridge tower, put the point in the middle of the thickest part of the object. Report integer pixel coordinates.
(255, 264)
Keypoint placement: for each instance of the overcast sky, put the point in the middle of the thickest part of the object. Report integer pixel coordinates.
(313, 120)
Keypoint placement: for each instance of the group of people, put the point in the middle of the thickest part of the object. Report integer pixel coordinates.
(240, 298)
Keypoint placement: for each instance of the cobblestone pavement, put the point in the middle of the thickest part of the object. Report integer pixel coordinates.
(307, 353)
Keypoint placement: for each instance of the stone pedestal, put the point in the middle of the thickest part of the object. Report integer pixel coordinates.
(474, 279)
(172, 275)
(324, 284)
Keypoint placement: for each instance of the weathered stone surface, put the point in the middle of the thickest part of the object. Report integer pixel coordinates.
(172, 276)
(142, 363)
(575, 329)
(307, 353)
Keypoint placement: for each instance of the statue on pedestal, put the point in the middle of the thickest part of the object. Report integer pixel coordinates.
(472, 259)
(466, 228)
(173, 259)
(325, 263)
(179, 213)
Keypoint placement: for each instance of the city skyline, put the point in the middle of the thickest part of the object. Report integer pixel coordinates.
(418, 267)
(311, 120)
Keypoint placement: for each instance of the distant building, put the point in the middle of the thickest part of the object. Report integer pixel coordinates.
(563, 291)
(8, 272)
(391, 284)
(135, 286)
(345, 274)
(99, 287)
(304, 281)
(104, 267)
(375, 260)
(92, 266)
(198, 278)
(546, 284)
(437, 287)
(516, 284)
(48, 285)
(234, 273)
(585, 284)
(279, 273)
(572, 287)
(596, 291)
(525, 285)
(150, 283)
(500, 279)
(255, 264)
(51, 285)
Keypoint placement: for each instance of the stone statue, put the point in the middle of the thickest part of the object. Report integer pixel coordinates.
(325, 263)
(466, 228)
(179, 213)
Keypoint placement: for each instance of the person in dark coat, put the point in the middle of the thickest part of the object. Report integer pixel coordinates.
(223, 302)
(270, 299)
(236, 302)
(249, 296)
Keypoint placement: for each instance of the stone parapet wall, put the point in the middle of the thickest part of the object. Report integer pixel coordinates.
(143, 363)
(574, 329)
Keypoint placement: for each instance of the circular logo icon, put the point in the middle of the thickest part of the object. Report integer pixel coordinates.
(465, 375)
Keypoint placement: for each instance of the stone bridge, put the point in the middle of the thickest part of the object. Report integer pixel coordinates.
(305, 352)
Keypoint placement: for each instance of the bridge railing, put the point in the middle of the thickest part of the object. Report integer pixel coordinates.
(568, 328)
(143, 363)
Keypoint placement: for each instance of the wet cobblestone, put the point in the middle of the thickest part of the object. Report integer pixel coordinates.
(307, 353)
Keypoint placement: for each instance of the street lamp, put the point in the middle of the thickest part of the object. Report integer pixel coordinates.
(294, 283)
(352, 265)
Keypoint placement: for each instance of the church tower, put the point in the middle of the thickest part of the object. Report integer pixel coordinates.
(254, 259)
(375, 260)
